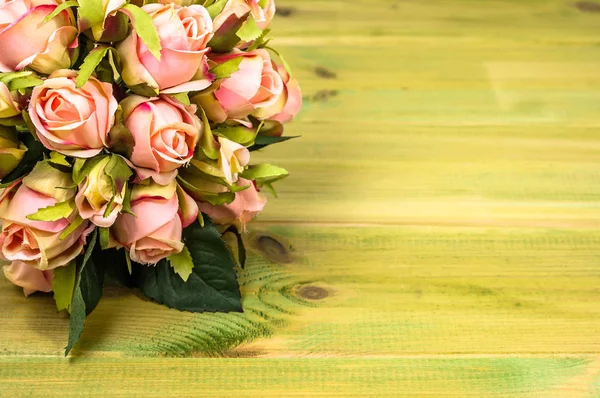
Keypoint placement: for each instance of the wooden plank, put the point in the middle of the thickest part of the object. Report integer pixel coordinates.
(438, 235)
(431, 377)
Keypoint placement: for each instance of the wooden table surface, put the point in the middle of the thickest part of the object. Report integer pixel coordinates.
(438, 235)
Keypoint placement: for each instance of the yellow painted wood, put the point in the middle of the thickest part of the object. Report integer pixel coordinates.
(439, 234)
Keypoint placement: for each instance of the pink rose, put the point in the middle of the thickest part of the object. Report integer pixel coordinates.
(29, 278)
(73, 121)
(288, 104)
(161, 213)
(184, 33)
(246, 205)
(27, 40)
(234, 14)
(255, 85)
(38, 243)
(164, 130)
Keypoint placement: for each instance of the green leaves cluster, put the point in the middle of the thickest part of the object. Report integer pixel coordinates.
(200, 278)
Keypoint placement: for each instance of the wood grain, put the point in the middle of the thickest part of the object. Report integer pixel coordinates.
(439, 234)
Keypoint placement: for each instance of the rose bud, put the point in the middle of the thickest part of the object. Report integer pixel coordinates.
(26, 236)
(233, 158)
(201, 186)
(95, 194)
(212, 180)
(246, 205)
(114, 25)
(288, 104)
(165, 132)
(27, 40)
(11, 150)
(161, 213)
(255, 85)
(9, 105)
(233, 16)
(70, 120)
(29, 278)
(184, 33)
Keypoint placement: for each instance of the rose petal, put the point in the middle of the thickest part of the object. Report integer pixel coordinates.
(29, 278)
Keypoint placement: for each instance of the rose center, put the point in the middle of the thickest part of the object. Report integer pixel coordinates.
(174, 142)
(19, 240)
(65, 105)
(191, 27)
(58, 109)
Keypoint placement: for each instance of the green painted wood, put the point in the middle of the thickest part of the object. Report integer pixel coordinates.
(438, 235)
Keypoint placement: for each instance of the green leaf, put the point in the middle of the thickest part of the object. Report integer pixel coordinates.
(261, 41)
(240, 134)
(182, 263)
(35, 151)
(270, 188)
(91, 61)
(91, 12)
(225, 40)
(54, 213)
(61, 8)
(109, 206)
(182, 97)
(30, 125)
(216, 7)
(118, 171)
(127, 201)
(63, 284)
(227, 68)
(59, 158)
(128, 261)
(249, 30)
(24, 82)
(209, 146)
(262, 141)
(144, 90)
(77, 320)
(12, 121)
(265, 173)
(7, 77)
(91, 277)
(212, 285)
(238, 188)
(104, 234)
(88, 290)
(72, 227)
(241, 249)
(59, 162)
(144, 26)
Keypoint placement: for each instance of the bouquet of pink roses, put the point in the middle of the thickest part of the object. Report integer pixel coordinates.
(126, 129)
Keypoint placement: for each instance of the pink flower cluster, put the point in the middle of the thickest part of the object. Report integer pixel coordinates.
(179, 124)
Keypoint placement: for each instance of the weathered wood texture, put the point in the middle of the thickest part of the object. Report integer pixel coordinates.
(438, 235)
